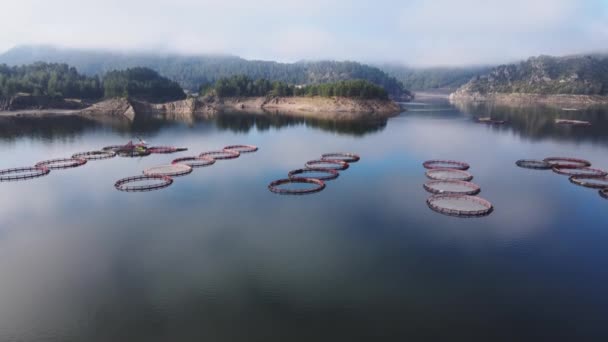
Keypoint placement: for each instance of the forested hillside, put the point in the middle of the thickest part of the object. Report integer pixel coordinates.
(433, 78)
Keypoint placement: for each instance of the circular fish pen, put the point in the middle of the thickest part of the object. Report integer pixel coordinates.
(23, 173)
(276, 186)
(181, 149)
(154, 182)
(63, 163)
(567, 162)
(604, 193)
(580, 171)
(241, 148)
(162, 149)
(114, 148)
(452, 187)
(590, 182)
(95, 155)
(330, 174)
(342, 156)
(170, 170)
(445, 164)
(337, 164)
(133, 153)
(448, 174)
(221, 155)
(460, 205)
(194, 161)
(534, 164)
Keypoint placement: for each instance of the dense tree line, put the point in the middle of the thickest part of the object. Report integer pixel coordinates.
(192, 71)
(55, 80)
(242, 85)
(141, 83)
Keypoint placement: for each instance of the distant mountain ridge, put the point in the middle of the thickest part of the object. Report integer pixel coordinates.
(433, 77)
(544, 75)
(193, 71)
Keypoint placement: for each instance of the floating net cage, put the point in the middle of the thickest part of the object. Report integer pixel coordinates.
(147, 183)
(567, 162)
(64, 163)
(343, 156)
(448, 174)
(221, 155)
(331, 164)
(133, 153)
(241, 148)
(445, 164)
(170, 170)
(162, 149)
(460, 205)
(329, 174)
(580, 171)
(590, 182)
(276, 186)
(194, 161)
(23, 173)
(181, 149)
(534, 164)
(604, 193)
(114, 148)
(452, 187)
(95, 155)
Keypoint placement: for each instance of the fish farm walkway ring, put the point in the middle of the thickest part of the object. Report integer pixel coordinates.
(452, 187)
(63, 163)
(194, 161)
(590, 182)
(580, 171)
(604, 193)
(448, 174)
(274, 186)
(221, 155)
(534, 164)
(122, 184)
(95, 155)
(19, 173)
(460, 205)
(345, 157)
(162, 149)
(170, 170)
(314, 164)
(331, 174)
(567, 162)
(443, 164)
(241, 148)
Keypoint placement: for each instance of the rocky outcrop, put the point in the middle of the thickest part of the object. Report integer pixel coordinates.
(119, 108)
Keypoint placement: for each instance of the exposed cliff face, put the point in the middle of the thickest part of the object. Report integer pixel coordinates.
(120, 108)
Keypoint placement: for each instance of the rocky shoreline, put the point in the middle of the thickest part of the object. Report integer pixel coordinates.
(523, 99)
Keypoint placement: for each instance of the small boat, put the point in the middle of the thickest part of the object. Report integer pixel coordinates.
(572, 122)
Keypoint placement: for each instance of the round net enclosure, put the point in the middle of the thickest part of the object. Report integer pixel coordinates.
(95, 155)
(590, 182)
(448, 174)
(580, 171)
(534, 164)
(194, 161)
(445, 164)
(162, 149)
(316, 173)
(452, 187)
(23, 173)
(114, 148)
(567, 162)
(143, 183)
(133, 153)
(241, 148)
(63, 163)
(327, 164)
(221, 155)
(277, 186)
(343, 156)
(460, 205)
(170, 170)
(604, 193)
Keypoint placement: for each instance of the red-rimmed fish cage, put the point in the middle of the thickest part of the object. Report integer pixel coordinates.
(169, 170)
(448, 174)
(23, 173)
(452, 187)
(339, 164)
(162, 182)
(221, 155)
(580, 171)
(445, 164)
(194, 161)
(342, 156)
(95, 155)
(331, 174)
(534, 164)
(565, 162)
(241, 148)
(590, 182)
(274, 186)
(62, 163)
(460, 205)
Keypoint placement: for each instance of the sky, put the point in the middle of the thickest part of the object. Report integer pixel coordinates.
(412, 32)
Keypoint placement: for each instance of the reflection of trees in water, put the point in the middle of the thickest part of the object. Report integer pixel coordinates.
(538, 122)
(44, 128)
(242, 122)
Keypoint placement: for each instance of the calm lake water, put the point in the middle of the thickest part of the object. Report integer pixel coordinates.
(217, 257)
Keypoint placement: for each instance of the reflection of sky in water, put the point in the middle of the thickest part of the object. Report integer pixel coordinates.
(218, 256)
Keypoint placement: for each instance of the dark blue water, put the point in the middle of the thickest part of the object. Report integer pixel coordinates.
(217, 257)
